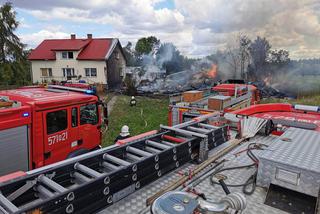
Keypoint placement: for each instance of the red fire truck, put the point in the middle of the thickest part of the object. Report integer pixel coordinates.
(40, 126)
(229, 96)
(237, 90)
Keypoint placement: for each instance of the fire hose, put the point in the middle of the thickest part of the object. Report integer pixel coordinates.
(186, 203)
(251, 180)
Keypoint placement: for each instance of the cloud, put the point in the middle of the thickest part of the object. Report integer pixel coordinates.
(285, 23)
(23, 24)
(197, 27)
(132, 16)
(305, 52)
(36, 38)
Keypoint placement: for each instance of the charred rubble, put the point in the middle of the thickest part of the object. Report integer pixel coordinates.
(267, 91)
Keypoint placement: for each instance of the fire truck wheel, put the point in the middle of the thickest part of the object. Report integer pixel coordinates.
(77, 153)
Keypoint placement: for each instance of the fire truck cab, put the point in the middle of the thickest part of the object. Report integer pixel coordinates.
(40, 126)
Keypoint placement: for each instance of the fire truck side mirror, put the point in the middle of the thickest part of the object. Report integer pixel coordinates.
(105, 113)
(104, 108)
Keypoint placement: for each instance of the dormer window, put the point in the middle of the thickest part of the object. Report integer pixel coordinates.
(67, 55)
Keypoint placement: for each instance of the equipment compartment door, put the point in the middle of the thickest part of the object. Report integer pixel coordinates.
(14, 150)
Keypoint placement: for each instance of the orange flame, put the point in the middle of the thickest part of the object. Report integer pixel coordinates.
(212, 73)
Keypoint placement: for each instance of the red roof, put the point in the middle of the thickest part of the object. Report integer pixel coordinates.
(90, 49)
(96, 50)
(71, 44)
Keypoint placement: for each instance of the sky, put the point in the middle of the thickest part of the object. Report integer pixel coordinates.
(197, 27)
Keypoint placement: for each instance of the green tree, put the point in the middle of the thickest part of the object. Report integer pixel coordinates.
(10, 46)
(146, 44)
(13, 59)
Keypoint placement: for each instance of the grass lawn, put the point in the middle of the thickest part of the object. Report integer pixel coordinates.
(147, 115)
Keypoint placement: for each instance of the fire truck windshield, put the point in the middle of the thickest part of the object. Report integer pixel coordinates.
(89, 114)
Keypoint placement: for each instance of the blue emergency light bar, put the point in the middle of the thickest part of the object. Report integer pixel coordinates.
(60, 87)
(25, 114)
(89, 92)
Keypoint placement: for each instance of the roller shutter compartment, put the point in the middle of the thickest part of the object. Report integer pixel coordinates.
(14, 150)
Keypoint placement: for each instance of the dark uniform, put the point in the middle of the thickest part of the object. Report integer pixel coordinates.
(121, 138)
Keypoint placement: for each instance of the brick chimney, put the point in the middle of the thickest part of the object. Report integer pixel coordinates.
(73, 36)
(89, 35)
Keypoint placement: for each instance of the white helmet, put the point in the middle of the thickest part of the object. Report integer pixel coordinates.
(124, 131)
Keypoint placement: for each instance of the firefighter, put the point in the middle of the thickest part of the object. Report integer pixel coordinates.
(123, 134)
(133, 101)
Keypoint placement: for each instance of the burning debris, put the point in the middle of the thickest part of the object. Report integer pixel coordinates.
(165, 70)
(266, 90)
(152, 79)
(203, 75)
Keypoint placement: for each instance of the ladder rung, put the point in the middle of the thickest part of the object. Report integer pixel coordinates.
(8, 205)
(173, 139)
(133, 157)
(119, 161)
(203, 125)
(28, 185)
(184, 132)
(201, 130)
(157, 145)
(168, 143)
(86, 170)
(152, 150)
(116, 160)
(139, 152)
(110, 166)
(80, 177)
(44, 191)
(51, 184)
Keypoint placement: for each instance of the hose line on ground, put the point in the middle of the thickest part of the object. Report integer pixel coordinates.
(251, 181)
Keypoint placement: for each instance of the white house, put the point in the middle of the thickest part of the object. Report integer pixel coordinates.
(95, 60)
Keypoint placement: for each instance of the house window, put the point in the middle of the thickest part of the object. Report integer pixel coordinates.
(46, 72)
(67, 55)
(56, 121)
(91, 72)
(68, 72)
(121, 72)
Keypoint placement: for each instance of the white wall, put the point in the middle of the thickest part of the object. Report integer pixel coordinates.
(78, 65)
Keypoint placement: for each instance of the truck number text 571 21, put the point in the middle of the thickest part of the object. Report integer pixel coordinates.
(57, 138)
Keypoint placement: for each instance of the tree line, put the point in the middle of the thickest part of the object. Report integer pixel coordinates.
(165, 55)
(245, 58)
